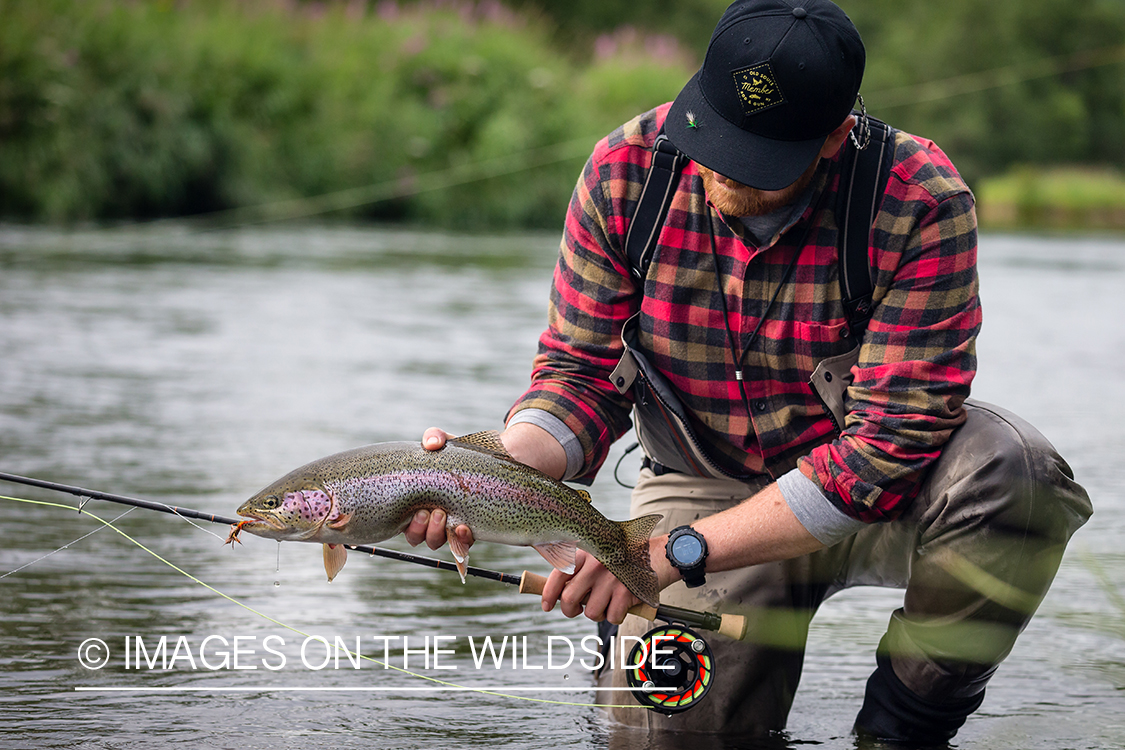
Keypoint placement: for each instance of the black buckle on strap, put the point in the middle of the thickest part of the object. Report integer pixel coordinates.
(657, 468)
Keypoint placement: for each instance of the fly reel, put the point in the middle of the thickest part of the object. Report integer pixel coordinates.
(671, 669)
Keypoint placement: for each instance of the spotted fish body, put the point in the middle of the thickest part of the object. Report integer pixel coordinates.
(368, 494)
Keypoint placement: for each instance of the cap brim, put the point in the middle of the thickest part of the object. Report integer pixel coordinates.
(707, 138)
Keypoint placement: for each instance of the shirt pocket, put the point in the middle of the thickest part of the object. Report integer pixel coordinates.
(792, 349)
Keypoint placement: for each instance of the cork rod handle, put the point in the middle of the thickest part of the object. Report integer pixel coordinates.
(732, 626)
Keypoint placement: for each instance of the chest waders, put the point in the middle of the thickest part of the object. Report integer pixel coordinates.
(975, 551)
(663, 428)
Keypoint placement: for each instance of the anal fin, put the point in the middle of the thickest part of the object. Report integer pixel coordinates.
(559, 554)
(335, 555)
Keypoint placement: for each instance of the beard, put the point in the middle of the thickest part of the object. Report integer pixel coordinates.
(735, 199)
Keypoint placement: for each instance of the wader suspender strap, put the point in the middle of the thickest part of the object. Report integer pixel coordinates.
(863, 178)
(863, 175)
(662, 422)
(652, 206)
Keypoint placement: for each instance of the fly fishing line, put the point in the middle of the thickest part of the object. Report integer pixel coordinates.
(439, 684)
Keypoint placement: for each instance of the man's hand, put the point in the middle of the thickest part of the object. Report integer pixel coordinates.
(430, 527)
(591, 590)
(595, 592)
(527, 443)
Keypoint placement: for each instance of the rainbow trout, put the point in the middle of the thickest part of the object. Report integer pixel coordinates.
(369, 494)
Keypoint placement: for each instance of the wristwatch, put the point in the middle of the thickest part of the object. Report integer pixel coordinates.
(687, 551)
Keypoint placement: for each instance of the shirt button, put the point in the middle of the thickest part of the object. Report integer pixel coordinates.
(760, 405)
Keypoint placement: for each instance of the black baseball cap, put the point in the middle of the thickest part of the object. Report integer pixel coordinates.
(779, 76)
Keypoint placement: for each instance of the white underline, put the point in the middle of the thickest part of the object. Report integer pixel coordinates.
(439, 688)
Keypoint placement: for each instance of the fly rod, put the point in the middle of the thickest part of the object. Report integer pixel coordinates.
(214, 518)
(732, 626)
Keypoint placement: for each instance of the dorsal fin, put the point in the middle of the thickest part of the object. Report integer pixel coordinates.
(487, 441)
(583, 494)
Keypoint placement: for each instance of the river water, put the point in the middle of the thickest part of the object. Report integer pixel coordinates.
(193, 368)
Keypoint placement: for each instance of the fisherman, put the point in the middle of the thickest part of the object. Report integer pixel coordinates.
(781, 505)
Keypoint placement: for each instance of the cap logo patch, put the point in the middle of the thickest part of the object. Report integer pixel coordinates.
(757, 88)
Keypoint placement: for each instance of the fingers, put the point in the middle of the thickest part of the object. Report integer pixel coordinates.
(620, 605)
(435, 529)
(434, 438)
(465, 534)
(591, 590)
(618, 601)
(593, 604)
(576, 591)
(426, 526)
(553, 589)
(429, 527)
(415, 532)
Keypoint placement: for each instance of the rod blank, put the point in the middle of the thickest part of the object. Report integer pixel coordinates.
(733, 626)
(428, 562)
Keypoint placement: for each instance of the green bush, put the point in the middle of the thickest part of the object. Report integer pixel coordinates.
(475, 115)
(1053, 198)
(1000, 84)
(113, 110)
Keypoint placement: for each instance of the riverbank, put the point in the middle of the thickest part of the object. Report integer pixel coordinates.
(1053, 198)
(478, 114)
(419, 113)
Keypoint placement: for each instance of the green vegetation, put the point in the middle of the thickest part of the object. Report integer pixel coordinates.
(1053, 198)
(579, 23)
(114, 110)
(1000, 84)
(474, 115)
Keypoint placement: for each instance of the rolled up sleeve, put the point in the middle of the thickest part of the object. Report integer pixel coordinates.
(592, 296)
(916, 363)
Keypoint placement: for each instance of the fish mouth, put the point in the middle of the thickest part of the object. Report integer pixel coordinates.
(256, 518)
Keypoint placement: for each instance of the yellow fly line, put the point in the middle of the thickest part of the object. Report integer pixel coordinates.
(442, 683)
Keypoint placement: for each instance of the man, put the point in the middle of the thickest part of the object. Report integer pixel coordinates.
(964, 506)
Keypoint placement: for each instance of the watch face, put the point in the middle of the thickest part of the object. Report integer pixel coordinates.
(687, 550)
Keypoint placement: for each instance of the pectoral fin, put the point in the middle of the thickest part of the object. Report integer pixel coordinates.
(460, 552)
(335, 555)
(559, 554)
(341, 521)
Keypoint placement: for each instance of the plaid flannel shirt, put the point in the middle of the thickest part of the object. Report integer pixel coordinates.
(916, 360)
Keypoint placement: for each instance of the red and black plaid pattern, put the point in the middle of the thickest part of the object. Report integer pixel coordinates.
(915, 365)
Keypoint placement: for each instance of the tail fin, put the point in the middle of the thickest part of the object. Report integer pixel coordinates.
(636, 570)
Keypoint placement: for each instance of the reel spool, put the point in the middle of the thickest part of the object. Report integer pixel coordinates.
(677, 676)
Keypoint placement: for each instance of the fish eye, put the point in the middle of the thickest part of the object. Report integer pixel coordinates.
(271, 501)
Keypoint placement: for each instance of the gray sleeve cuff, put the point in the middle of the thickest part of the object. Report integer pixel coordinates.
(575, 457)
(820, 517)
